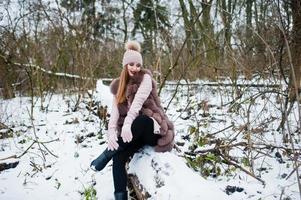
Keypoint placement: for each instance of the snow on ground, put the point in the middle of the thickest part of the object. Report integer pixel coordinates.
(67, 176)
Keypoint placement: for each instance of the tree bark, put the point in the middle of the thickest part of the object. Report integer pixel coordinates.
(125, 31)
(294, 82)
(208, 37)
(6, 79)
(187, 24)
(249, 27)
(227, 8)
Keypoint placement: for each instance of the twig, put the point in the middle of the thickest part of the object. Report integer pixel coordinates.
(26, 149)
(212, 134)
(9, 157)
(183, 110)
(235, 137)
(241, 168)
(54, 140)
(3, 126)
(77, 103)
(35, 133)
(293, 171)
(34, 141)
(49, 150)
(282, 192)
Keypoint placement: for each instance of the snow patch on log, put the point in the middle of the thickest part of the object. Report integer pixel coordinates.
(166, 176)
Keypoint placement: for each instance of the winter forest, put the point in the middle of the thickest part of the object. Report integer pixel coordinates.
(227, 73)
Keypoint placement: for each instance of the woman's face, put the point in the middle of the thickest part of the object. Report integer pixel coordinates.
(133, 68)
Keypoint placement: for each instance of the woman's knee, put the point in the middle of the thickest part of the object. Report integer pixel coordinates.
(142, 123)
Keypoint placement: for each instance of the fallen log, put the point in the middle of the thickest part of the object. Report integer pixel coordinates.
(166, 176)
(139, 190)
(8, 165)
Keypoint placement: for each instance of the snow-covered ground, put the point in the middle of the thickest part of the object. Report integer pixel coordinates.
(66, 173)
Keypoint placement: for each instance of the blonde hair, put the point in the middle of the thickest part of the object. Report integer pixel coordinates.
(123, 81)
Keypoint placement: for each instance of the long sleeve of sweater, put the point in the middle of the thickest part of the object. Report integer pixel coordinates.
(142, 94)
(112, 126)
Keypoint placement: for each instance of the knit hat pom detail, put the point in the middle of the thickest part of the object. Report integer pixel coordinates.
(132, 45)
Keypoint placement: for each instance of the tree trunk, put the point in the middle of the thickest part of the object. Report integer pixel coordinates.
(226, 12)
(195, 33)
(294, 82)
(208, 37)
(249, 13)
(227, 8)
(6, 79)
(125, 31)
(187, 26)
(249, 23)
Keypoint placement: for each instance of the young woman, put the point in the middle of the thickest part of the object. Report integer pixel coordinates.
(137, 119)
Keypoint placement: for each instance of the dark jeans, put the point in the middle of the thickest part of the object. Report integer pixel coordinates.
(143, 134)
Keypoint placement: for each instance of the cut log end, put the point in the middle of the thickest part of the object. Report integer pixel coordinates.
(137, 187)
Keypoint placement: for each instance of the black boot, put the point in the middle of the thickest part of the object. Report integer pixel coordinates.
(101, 161)
(121, 195)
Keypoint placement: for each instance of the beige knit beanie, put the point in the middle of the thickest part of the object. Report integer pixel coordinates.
(132, 53)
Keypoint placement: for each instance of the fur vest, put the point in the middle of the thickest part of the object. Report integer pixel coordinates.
(151, 108)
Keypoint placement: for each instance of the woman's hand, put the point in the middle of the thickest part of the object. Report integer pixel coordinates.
(112, 140)
(126, 133)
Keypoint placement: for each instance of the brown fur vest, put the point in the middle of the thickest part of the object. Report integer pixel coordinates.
(151, 107)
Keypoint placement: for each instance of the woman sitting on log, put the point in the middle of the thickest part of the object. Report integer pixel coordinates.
(137, 119)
